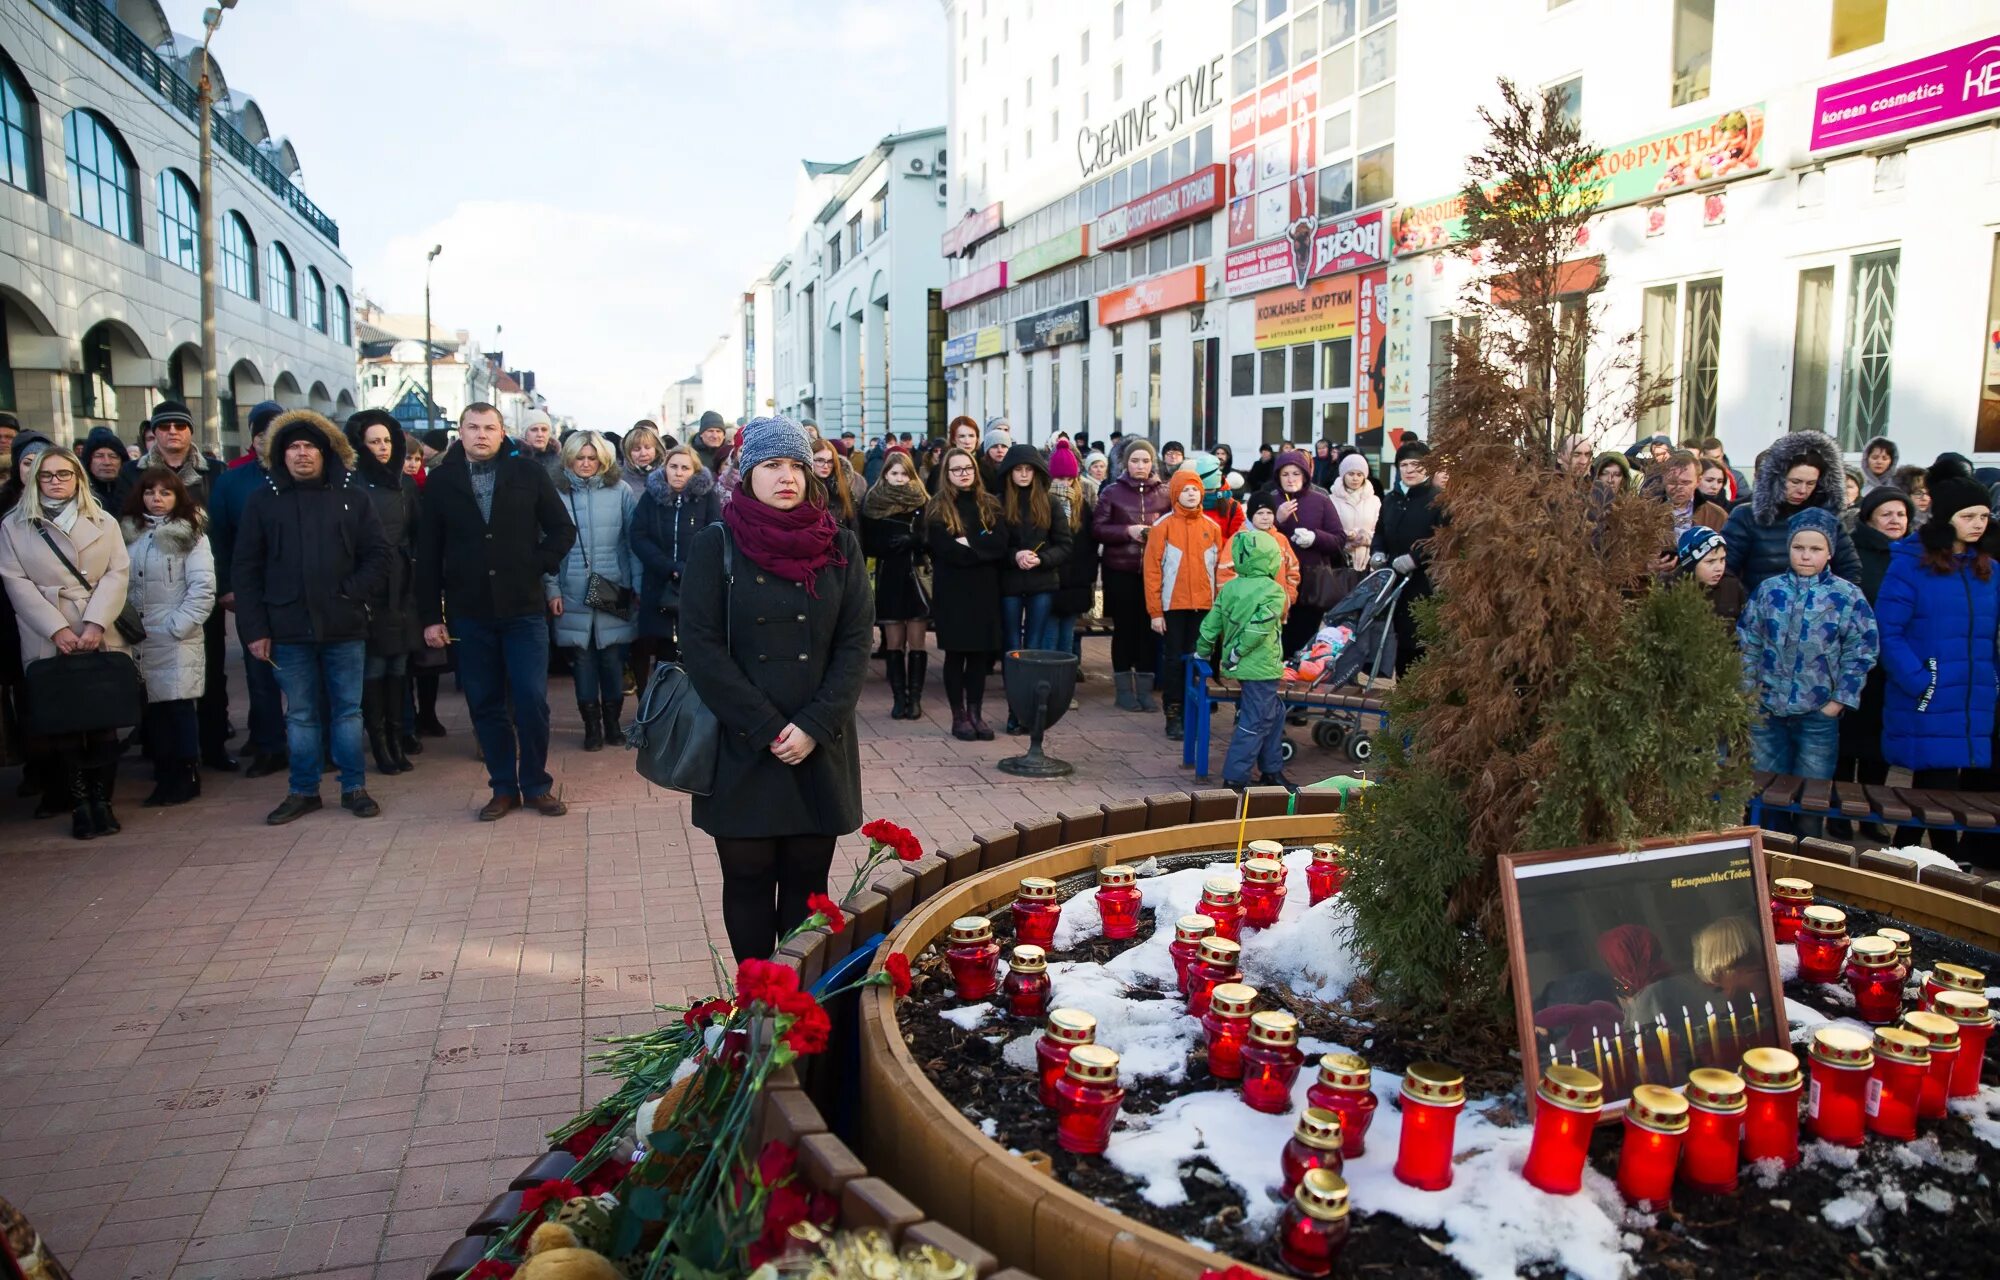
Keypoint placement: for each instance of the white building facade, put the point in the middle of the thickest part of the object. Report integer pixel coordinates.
(681, 407)
(99, 233)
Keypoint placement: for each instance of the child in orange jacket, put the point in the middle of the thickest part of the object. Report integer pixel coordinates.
(1266, 506)
(1182, 552)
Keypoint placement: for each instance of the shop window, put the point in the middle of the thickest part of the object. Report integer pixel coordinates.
(1274, 9)
(1336, 132)
(1378, 11)
(180, 221)
(1204, 239)
(1857, 24)
(1277, 54)
(1333, 421)
(1336, 76)
(1336, 189)
(281, 281)
(20, 164)
(1694, 44)
(101, 187)
(1153, 390)
(1204, 147)
(1302, 367)
(1871, 331)
(1271, 376)
(1305, 37)
(1243, 21)
(1336, 22)
(1377, 118)
(1691, 385)
(1243, 368)
(1243, 70)
(1302, 420)
(1157, 170)
(1336, 364)
(1182, 159)
(1569, 100)
(1812, 342)
(1375, 176)
(1272, 428)
(239, 257)
(1378, 56)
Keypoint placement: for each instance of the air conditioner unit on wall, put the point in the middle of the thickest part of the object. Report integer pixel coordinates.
(942, 158)
(917, 164)
(943, 191)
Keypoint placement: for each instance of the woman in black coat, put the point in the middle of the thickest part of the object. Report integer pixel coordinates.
(393, 633)
(776, 622)
(1886, 517)
(680, 501)
(967, 542)
(890, 532)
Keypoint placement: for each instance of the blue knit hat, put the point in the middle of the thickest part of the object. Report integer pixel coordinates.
(1695, 544)
(1814, 520)
(768, 438)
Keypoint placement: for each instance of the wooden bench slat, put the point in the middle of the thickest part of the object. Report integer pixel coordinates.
(1816, 796)
(1783, 789)
(1852, 799)
(1978, 806)
(1924, 806)
(1887, 803)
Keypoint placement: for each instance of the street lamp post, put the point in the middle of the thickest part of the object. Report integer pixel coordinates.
(211, 402)
(430, 386)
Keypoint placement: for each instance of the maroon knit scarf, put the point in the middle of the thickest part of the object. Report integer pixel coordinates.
(793, 544)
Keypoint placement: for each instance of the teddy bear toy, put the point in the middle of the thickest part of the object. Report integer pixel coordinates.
(555, 1253)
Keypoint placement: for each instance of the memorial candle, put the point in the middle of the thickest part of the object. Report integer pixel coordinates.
(1315, 1226)
(1567, 1103)
(1902, 1060)
(1087, 1099)
(1716, 1107)
(1822, 944)
(1263, 892)
(1118, 901)
(1025, 993)
(1314, 1144)
(1875, 979)
(1188, 933)
(1271, 1061)
(1656, 1121)
(1036, 912)
(1214, 965)
(1975, 1028)
(1067, 1028)
(1837, 1099)
(1902, 941)
(974, 958)
(1945, 976)
(1773, 1084)
(1227, 1026)
(1942, 1034)
(1222, 903)
(1433, 1095)
(1324, 874)
(1346, 1088)
(1789, 900)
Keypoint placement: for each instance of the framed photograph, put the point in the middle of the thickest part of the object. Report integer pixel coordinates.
(1643, 964)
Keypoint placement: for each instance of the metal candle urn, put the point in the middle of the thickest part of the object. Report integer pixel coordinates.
(1040, 684)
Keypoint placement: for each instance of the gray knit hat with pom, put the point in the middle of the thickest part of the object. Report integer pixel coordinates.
(768, 438)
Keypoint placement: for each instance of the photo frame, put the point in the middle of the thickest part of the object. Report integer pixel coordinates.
(1641, 964)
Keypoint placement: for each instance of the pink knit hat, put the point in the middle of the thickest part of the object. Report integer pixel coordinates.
(1063, 463)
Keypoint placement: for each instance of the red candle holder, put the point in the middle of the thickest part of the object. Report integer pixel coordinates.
(1975, 1028)
(1771, 1121)
(1875, 979)
(1227, 1024)
(1567, 1102)
(1314, 1144)
(1087, 1099)
(1314, 1228)
(1902, 941)
(1713, 1149)
(1902, 1060)
(1066, 1029)
(974, 958)
(1822, 944)
(1433, 1095)
(1223, 903)
(1271, 1062)
(1346, 1088)
(1026, 990)
(1188, 933)
(1324, 874)
(1214, 965)
(1263, 891)
(1118, 901)
(1656, 1122)
(1837, 1100)
(1036, 912)
(1789, 899)
(1945, 976)
(1941, 1033)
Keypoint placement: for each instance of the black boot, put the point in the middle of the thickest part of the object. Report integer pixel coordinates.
(372, 697)
(920, 661)
(593, 726)
(428, 724)
(1173, 723)
(407, 742)
(614, 732)
(83, 818)
(975, 709)
(102, 779)
(898, 663)
(166, 780)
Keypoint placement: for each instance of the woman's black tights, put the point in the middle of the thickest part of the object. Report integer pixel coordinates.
(765, 884)
(965, 672)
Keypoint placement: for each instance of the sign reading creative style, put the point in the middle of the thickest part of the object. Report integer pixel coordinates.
(1181, 288)
(1920, 94)
(971, 229)
(1198, 193)
(1323, 311)
(1727, 147)
(1160, 115)
(1310, 250)
(978, 284)
(978, 345)
(1053, 252)
(1054, 327)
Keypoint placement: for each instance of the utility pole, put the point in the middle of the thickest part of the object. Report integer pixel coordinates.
(430, 386)
(211, 401)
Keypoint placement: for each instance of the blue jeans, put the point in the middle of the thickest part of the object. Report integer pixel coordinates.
(502, 661)
(1026, 619)
(267, 705)
(382, 666)
(1062, 634)
(1259, 736)
(599, 673)
(305, 673)
(1804, 746)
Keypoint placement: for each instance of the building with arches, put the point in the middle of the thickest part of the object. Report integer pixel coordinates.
(100, 257)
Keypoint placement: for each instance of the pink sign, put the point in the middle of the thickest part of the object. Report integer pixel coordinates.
(1200, 192)
(1919, 94)
(977, 285)
(971, 229)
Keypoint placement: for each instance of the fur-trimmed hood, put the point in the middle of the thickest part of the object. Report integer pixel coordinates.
(384, 475)
(1767, 493)
(304, 424)
(699, 485)
(568, 481)
(173, 533)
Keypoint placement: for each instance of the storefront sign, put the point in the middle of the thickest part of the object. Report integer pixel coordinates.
(1728, 147)
(1920, 94)
(1052, 328)
(1310, 250)
(959, 350)
(1321, 312)
(1160, 115)
(1181, 288)
(968, 347)
(1053, 252)
(977, 285)
(1194, 195)
(971, 229)
(1371, 331)
(1396, 358)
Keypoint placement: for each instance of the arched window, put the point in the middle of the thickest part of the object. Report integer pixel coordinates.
(20, 164)
(315, 300)
(343, 328)
(282, 282)
(180, 221)
(239, 256)
(101, 189)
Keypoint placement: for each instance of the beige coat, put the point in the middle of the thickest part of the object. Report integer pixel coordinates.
(46, 597)
(1359, 512)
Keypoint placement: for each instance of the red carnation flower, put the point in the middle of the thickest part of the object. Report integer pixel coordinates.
(605, 1177)
(908, 847)
(706, 1012)
(775, 1162)
(584, 1139)
(809, 1031)
(764, 982)
(491, 1269)
(897, 966)
(787, 1207)
(835, 919)
(553, 1192)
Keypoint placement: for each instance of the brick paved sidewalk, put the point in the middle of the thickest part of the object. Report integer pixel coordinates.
(229, 1050)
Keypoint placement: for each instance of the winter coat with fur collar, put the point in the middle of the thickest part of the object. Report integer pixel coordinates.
(173, 583)
(1759, 543)
(663, 529)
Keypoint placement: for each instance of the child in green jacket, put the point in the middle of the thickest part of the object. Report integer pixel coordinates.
(1247, 618)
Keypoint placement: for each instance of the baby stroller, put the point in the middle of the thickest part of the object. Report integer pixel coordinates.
(1356, 632)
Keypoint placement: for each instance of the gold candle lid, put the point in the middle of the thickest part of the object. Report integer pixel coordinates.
(1900, 938)
(1657, 1108)
(1029, 958)
(1941, 1031)
(1093, 1064)
(1116, 876)
(1265, 849)
(1873, 952)
(1327, 853)
(1792, 889)
(969, 929)
(1193, 928)
(1828, 922)
(1319, 1129)
(1713, 1089)
(1071, 1026)
(1232, 1000)
(1348, 1071)
(1220, 952)
(1036, 889)
(1898, 1044)
(1220, 890)
(1771, 1070)
(1571, 1088)
(1842, 1047)
(1962, 1007)
(1263, 871)
(1433, 1084)
(1322, 1194)
(1274, 1028)
(1958, 977)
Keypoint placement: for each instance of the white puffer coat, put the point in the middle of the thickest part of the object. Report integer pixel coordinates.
(173, 583)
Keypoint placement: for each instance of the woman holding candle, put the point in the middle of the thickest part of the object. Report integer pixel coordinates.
(967, 541)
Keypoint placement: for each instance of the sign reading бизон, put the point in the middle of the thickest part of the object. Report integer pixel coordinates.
(1135, 128)
(1198, 193)
(1924, 92)
(1342, 244)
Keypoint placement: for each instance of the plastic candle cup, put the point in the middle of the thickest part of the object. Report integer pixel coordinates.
(1222, 903)
(1314, 1228)
(1087, 1099)
(1902, 941)
(1214, 965)
(1942, 1033)
(1771, 1123)
(1822, 944)
(1713, 1149)
(1656, 1122)
(1789, 900)
(1345, 1087)
(1324, 874)
(1118, 901)
(1188, 933)
(1951, 977)
(1902, 1060)
(1036, 912)
(1066, 1029)
(1263, 891)
(1975, 1028)
(1026, 991)
(1271, 1062)
(1227, 1024)
(1433, 1095)
(1314, 1144)
(1567, 1101)
(974, 958)
(1875, 979)
(1837, 1099)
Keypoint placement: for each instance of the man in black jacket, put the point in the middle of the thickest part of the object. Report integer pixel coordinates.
(309, 555)
(1402, 533)
(492, 526)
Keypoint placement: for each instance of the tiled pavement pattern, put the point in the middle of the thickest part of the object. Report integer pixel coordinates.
(228, 1050)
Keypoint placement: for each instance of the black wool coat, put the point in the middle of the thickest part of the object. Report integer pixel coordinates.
(1409, 518)
(663, 529)
(965, 583)
(392, 611)
(1054, 545)
(1078, 592)
(469, 567)
(897, 543)
(763, 653)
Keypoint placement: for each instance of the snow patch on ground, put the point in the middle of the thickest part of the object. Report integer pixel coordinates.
(1935, 1198)
(1788, 961)
(968, 1017)
(1924, 857)
(1982, 1112)
(1849, 1210)
(1151, 1037)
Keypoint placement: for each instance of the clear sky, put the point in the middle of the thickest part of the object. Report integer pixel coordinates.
(604, 175)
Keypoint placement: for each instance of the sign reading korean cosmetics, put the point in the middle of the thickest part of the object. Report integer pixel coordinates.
(1181, 288)
(1309, 250)
(976, 285)
(1052, 328)
(1159, 116)
(1198, 193)
(1936, 89)
(971, 229)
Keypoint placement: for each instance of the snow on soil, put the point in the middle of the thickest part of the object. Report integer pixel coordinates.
(1982, 1112)
(1924, 857)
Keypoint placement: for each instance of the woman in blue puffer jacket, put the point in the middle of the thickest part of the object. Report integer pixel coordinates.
(600, 505)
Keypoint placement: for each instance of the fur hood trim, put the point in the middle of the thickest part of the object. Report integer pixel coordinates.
(386, 475)
(1768, 491)
(568, 482)
(176, 535)
(699, 485)
(336, 442)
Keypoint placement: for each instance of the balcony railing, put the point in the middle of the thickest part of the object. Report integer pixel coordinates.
(153, 71)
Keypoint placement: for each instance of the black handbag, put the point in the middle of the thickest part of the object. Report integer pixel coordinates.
(677, 736)
(129, 622)
(599, 592)
(82, 693)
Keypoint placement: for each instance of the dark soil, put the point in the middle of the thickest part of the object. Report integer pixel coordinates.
(1758, 1232)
